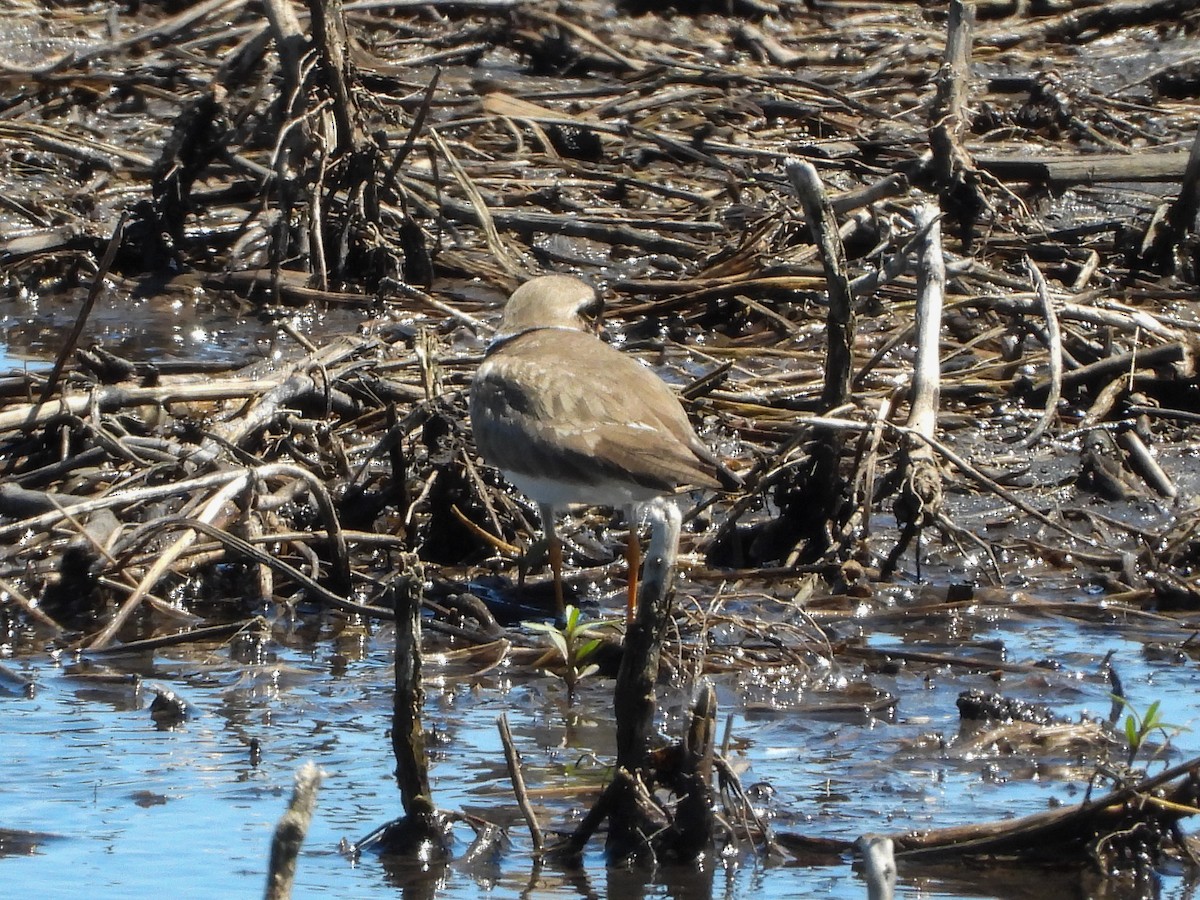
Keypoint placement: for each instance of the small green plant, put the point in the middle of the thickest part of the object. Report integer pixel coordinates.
(1139, 727)
(574, 642)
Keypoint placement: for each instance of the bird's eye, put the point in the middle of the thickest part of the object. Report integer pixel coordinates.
(592, 308)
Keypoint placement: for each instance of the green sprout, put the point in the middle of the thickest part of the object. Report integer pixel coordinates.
(575, 642)
(1139, 727)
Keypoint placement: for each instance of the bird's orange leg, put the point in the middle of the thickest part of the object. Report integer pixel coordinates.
(633, 559)
(554, 550)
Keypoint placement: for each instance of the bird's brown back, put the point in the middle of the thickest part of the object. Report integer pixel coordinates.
(560, 400)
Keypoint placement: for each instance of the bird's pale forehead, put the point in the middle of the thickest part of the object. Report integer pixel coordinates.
(553, 292)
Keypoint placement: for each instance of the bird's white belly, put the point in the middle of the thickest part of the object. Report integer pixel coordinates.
(556, 493)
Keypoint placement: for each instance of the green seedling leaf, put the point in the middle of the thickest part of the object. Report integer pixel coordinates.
(587, 649)
(1151, 720)
(560, 644)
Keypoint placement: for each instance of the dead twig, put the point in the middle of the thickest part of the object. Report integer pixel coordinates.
(1054, 349)
(290, 832)
(957, 179)
(919, 499)
(513, 759)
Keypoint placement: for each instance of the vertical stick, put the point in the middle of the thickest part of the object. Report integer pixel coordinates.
(879, 865)
(290, 832)
(1182, 218)
(633, 695)
(952, 88)
(815, 503)
(822, 224)
(1179, 220)
(694, 824)
(631, 814)
(919, 498)
(329, 31)
(408, 736)
(954, 173)
(290, 43)
(931, 293)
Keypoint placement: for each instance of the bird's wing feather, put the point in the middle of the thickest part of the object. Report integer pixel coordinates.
(565, 400)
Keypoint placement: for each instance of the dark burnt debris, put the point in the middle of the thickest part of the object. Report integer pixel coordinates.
(785, 201)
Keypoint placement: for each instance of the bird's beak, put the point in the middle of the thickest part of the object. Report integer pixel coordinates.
(593, 316)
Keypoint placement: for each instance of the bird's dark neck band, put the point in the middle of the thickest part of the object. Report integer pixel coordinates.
(507, 337)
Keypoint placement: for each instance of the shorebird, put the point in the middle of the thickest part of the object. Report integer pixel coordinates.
(570, 420)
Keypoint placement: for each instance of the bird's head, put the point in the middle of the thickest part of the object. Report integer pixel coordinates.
(550, 301)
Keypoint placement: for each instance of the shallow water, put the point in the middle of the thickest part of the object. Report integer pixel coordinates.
(125, 806)
(176, 326)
